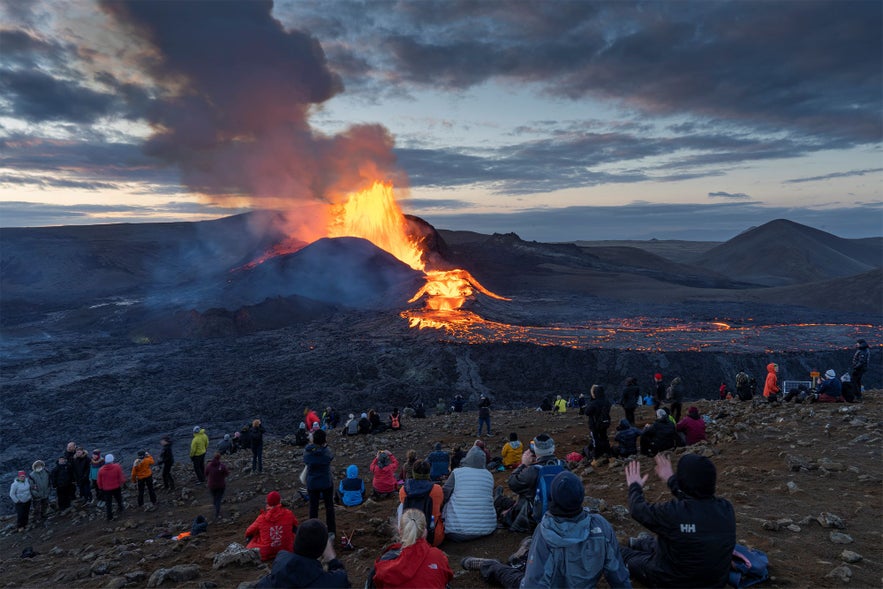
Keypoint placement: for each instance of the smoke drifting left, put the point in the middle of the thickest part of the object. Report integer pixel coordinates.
(235, 92)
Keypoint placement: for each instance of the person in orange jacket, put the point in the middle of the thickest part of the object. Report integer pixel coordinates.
(142, 474)
(771, 386)
(416, 489)
(273, 530)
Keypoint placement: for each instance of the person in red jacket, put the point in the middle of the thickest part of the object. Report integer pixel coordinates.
(273, 530)
(216, 480)
(384, 467)
(693, 426)
(771, 385)
(110, 483)
(311, 419)
(413, 562)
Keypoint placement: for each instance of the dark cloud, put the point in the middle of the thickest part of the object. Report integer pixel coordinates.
(848, 174)
(730, 195)
(31, 214)
(36, 96)
(434, 204)
(50, 182)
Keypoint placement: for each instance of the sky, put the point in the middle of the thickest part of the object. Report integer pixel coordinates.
(555, 120)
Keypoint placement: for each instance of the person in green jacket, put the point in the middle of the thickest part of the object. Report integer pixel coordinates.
(198, 448)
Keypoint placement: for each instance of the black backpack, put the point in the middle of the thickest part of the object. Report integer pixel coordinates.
(422, 502)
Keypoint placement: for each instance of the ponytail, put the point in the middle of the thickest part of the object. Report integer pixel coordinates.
(412, 527)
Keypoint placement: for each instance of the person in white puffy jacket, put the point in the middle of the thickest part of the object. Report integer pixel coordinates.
(469, 499)
(20, 493)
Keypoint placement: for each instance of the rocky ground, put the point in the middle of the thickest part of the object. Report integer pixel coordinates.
(805, 482)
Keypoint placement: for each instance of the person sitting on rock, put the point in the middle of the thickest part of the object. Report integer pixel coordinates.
(395, 420)
(411, 562)
(627, 439)
(695, 532)
(377, 425)
(440, 462)
(301, 436)
(512, 451)
(659, 436)
(383, 467)
(487, 455)
(693, 426)
(469, 499)
(441, 408)
(330, 418)
(413, 494)
(301, 568)
(351, 490)
(351, 427)
(457, 404)
(419, 410)
(743, 386)
(273, 530)
(571, 547)
(364, 424)
(406, 469)
(226, 445)
(457, 456)
(846, 389)
(311, 420)
(829, 389)
(518, 515)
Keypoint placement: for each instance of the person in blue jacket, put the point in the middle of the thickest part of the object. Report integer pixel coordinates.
(351, 490)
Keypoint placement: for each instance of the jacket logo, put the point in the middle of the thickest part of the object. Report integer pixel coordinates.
(688, 528)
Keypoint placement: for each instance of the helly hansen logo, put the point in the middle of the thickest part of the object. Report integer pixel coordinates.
(688, 528)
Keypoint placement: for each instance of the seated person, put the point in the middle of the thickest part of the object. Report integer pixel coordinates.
(457, 456)
(301, 568)
(469, 500)
(693, 426)
(301, 436)
(351, 490)
(415, 492)
(273, 530)
(659, 436)
(364, 424)
(395, 420)
(829, 390)
(351, 427)
(406, 470)
(412, 562)
(439, 461)
(384, 468)
(627, 437)
(512, 451)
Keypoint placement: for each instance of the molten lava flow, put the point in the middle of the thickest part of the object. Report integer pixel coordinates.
(447, 290)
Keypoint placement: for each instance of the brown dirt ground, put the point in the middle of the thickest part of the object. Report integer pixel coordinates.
(841, 444)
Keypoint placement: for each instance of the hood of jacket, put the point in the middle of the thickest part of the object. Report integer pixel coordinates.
(352, 471)
(562, 532)
(275, 514)
(515, 444)
(771, 367)
(418, 486)
(400, 571)
(475, 458)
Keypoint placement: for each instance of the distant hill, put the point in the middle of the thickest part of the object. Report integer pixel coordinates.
(676, 250)
(783, 252)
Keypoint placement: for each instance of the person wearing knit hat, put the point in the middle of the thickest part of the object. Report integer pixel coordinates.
(110, 482)
(598, 411)
(40, 488)
(846, 389)
(273, 530)
(660, 435)
(695, 531)
(518, 514)
(416, 489)
(658, 391)
(692, 426)
(20, 493)
(301, 567)
(830, 389)
(571, 547)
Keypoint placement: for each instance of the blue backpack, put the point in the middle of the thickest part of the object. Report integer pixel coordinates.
(547, 472)
(749, 567)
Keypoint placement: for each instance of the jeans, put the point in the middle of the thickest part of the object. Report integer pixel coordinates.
(109, 496)
(484, 421)
(199, 467)
(327, 496)
(146, 482)
(86, 490)
(21, 511)
(217, 496)
(257, 457)
(167, 481)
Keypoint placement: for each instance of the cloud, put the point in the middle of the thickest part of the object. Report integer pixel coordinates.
(47, 182)
(730, 195)
(849, 174)
(32, 214)
(37, 97)
(434, 204)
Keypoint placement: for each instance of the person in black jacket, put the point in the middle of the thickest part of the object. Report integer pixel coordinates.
(81, 465)
(695, 532)
(166, 460)
(630, 395)
(660, 435)
(257, 446)
(675, 394)
(63, 479)
(302, 568)
(317, 458)
(598, 411)
(484, 415)
(860, 362)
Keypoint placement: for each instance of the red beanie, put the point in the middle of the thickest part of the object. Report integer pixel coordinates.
(657, 376)
(273, 498)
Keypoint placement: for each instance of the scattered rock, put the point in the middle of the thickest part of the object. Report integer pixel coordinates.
(796, 463)
(792, 487)
(178, 573)
(841, 538)
(236, 554)
(793, 527)
(850, 556)
(116, 583)
(842, 573)
(829, 520)
(770, 525)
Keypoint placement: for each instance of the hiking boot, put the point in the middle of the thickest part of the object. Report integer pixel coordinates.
(520, 555)
(472, 563)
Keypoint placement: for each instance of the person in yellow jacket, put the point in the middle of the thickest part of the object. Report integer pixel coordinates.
(198, 448)
(142, 474)
(512, 451)
(560, 405)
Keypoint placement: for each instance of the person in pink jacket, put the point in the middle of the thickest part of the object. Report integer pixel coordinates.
(693, 426)
(110, 482)
(384, 467)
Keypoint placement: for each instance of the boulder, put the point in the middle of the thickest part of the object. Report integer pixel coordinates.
(177, 574)
(850, 556)
(841, 538)
(236, 554)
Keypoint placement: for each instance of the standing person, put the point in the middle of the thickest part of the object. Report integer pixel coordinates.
(110, 483)
(771, 385)
(198, 448)
(675, 394)
(695, 531)
(80, 465)
(743, 386)
(62, 478)
(860, 361)
(273, 530)
(95, 464)
(571, 547)
(630, 395)
(411, 562)
(484, 414)
(383, 467)
(599, 420)
(693, 427)
(301, 568)
(216, 474)
(581, 402)
(39, 480)
(20, 493)
(142, 475)
(658, 391)
(166, 459)
(257, 446)
(317, 458)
